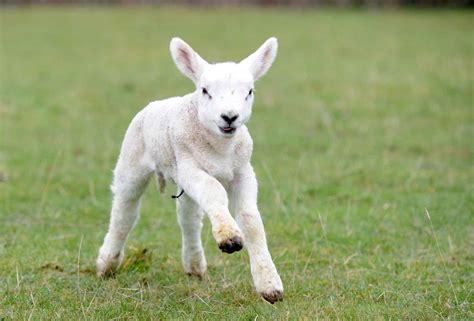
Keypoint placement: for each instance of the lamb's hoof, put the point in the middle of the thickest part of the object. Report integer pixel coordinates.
(231, 245)
(197, 270)
(106, 274)
(198, 276)
(273, 296)
(107, 266)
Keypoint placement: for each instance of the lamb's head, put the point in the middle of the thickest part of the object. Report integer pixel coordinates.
(224, 91)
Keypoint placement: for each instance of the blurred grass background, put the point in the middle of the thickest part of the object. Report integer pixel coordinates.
(364, 121)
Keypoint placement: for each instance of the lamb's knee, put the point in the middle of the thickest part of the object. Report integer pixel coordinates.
(128, 188)
(125, 191)
(131, 177)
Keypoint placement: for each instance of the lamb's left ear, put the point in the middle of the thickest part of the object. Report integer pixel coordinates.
(187, 60)
(261, 60)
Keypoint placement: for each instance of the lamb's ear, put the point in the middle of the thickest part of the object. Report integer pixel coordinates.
(261, 60)
(186, 59)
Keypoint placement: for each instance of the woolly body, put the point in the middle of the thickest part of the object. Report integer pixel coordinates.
(200, 142)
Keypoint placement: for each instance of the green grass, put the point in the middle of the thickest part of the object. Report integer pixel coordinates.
(364, 121)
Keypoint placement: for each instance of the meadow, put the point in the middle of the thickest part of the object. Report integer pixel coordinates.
(363, 146)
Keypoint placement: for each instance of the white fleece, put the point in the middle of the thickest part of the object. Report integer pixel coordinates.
(200, 142)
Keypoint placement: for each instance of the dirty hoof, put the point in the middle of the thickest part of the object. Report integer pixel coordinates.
(107, 265)
(273, 296)
(195, 275)
(106, 274)
(231, 245)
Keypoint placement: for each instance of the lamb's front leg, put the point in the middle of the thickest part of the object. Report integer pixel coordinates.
(244, 201)
(211, 196)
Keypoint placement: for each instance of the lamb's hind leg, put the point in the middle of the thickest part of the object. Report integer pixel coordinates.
(190, 218)
(130, 181)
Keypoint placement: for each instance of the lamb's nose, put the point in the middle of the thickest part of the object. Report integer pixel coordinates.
(229, 120)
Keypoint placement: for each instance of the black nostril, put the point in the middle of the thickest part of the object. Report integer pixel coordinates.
(229, 120)
(226, 118)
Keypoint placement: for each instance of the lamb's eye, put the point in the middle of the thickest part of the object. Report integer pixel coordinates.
(206, 93)
(249, 94)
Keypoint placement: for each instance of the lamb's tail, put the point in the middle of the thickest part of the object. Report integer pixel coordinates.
(160, 182)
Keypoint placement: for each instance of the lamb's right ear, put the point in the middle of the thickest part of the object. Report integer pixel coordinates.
(186, 59)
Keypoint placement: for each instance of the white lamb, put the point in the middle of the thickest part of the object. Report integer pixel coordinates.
(200, 142)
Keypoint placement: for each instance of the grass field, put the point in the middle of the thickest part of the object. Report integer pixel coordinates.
(364, 124)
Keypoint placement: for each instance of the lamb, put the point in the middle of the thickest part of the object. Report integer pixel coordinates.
(200, 142)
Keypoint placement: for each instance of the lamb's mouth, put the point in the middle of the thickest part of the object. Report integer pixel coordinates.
(228, 130)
